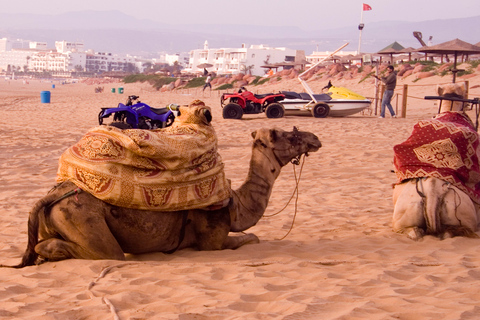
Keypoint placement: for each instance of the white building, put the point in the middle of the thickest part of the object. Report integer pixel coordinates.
(15, 59)
(106, 62)
(38, 45)
(316, 56)
(67, 46)
(9, 45)
(57, 62)
(241, 60)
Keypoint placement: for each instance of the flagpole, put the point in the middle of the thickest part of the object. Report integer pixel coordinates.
(360, 27)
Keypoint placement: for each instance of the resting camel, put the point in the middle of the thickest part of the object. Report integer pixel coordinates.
(83, 227)
(438, 193)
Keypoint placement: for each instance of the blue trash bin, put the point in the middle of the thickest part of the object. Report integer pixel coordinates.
(45, 96)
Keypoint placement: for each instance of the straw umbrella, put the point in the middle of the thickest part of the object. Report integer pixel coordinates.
(394, 48)
(455, 47)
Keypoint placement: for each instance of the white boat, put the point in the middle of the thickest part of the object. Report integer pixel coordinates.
(338, 102)
(323, 104)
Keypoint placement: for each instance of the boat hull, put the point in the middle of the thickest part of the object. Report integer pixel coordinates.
(338, 107)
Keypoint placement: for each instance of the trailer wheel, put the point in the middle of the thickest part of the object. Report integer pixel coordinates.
(232, 111)
(320, 110)
(275, 110)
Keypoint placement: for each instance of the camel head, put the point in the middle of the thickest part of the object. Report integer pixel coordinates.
(452, 90)
(196, 113)
(286, 145)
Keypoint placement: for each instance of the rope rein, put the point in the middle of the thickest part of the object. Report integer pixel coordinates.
(294, 162)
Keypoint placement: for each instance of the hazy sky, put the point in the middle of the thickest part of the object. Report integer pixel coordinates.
(307, 14)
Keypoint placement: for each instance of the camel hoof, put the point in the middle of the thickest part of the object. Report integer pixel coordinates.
(446, 235)
(415, 234)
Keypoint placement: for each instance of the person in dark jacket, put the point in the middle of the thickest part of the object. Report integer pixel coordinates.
(390, 81)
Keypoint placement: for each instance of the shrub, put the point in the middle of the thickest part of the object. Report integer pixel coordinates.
(264, 80)
(155, 80)
(257, 78)
(225, 86)
(196, 82)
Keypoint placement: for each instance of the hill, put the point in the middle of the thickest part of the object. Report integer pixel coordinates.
(114, 31)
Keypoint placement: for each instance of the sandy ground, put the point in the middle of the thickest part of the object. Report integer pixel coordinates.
(340, 261)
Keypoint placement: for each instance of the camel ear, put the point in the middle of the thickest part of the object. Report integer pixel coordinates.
(254, 133)
(439, 89)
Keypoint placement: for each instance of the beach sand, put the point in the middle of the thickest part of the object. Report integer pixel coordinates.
(340, 261)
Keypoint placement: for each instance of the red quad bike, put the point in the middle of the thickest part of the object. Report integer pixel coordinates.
(236, 104)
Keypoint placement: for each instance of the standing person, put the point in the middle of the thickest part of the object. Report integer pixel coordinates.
(390, 83)
(207, 82)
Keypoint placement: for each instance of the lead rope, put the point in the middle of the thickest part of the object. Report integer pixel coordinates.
(295, 162)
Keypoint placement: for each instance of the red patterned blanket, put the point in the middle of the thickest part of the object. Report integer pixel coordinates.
(444, 147)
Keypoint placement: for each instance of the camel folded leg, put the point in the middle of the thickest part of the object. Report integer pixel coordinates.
(56, 249)
(238, 241)
(71, 233)
(211, 229)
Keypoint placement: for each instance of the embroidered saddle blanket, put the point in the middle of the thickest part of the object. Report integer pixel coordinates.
(446, 148)
(170, 169)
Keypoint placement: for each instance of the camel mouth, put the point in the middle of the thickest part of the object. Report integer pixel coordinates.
(313, 147)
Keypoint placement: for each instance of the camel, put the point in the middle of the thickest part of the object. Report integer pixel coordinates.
(69, 223)
(426, 203)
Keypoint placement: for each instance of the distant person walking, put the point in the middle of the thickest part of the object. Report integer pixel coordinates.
(390, 81)
(207, 82)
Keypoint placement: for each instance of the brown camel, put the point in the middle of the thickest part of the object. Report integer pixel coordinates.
(81, 226)
(427, 201)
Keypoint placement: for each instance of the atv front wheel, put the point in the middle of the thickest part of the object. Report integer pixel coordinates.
(170, 120)
(275, 110)
(232, 111)
(320, 110)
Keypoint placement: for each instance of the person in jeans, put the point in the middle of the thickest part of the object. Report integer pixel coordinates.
(390, 81)
(207, 83)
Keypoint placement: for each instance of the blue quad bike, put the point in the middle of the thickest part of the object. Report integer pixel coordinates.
(138, 115)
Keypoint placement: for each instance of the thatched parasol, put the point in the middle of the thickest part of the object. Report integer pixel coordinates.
(454, 47)
(394, 48)
(205, 65)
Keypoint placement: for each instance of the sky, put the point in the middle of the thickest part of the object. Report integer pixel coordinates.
(306, 14)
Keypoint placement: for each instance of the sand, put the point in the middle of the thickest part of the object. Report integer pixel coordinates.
(340, 261)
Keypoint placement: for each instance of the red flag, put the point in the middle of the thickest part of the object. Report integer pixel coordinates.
(366, 7)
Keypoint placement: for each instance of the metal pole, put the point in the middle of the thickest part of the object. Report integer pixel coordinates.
(304, 84)
(360, 27)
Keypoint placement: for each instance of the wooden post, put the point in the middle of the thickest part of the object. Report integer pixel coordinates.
(467, 87)
(404, 101)
(376, 89)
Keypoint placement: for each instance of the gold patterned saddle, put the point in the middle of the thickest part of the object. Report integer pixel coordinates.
(170, 169)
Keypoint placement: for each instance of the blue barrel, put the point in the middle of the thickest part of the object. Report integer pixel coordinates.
(53, 86)
(120, 90)
(45, 96)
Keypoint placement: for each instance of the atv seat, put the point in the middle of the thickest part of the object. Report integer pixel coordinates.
(261, 96)
(291, 95)
(159, 111)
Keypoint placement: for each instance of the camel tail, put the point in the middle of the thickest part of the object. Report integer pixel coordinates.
(30, 256)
